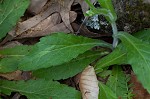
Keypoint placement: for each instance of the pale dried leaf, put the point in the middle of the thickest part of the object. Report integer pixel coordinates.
(39, 29)
(64, 12)
(36, 6)
(16, 75)
(73, 16)
(24, 26)
(49, 25)
(60, 28)
(56, 28)
(53, 6)
(89, 84)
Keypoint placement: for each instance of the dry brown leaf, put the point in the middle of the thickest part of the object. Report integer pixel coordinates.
(36, 6)
(50, 7)
(24, 26)
(12, 76)
(39, 29)
(72, 16)
(48, 26)
(28, 24)
(60, 28)
(64, 12)
(89, 84)
(17, 75)
(138, 90)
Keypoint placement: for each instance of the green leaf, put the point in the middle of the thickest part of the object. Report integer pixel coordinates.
(11, 57)
(138, 56)
(57, 49)
(117, 82)
(40, 89)
(106, 92)
(105, 73)
(107, 10)
(69, 69)
(143, 35)
(9, 64)
(118, 56)
(97, 11)
(11, 11)
(107, 4)
(15, 51)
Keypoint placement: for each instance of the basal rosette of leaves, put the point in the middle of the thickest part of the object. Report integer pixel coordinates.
(60, 51)
(134, 51)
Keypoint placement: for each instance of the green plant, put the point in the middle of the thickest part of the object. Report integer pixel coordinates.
(54, 54)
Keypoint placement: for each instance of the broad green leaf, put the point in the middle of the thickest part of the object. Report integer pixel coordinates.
(107, 4)
(40, 89)
(9, 64)
(57, 49)
(105, 73)
(10, 12)
(106, 92)
(15, 51)
(118, 56)
(11, 57)
(117, 82)
(143, 35)
(69, 69)
(138, 56)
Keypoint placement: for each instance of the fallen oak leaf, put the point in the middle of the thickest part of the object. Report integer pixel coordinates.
(88, 84)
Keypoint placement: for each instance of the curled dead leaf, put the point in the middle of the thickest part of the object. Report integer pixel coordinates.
(89, 84)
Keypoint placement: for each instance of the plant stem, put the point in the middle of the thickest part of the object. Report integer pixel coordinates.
(115, 31)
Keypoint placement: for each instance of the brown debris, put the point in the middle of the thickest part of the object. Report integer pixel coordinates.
(138, 90)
